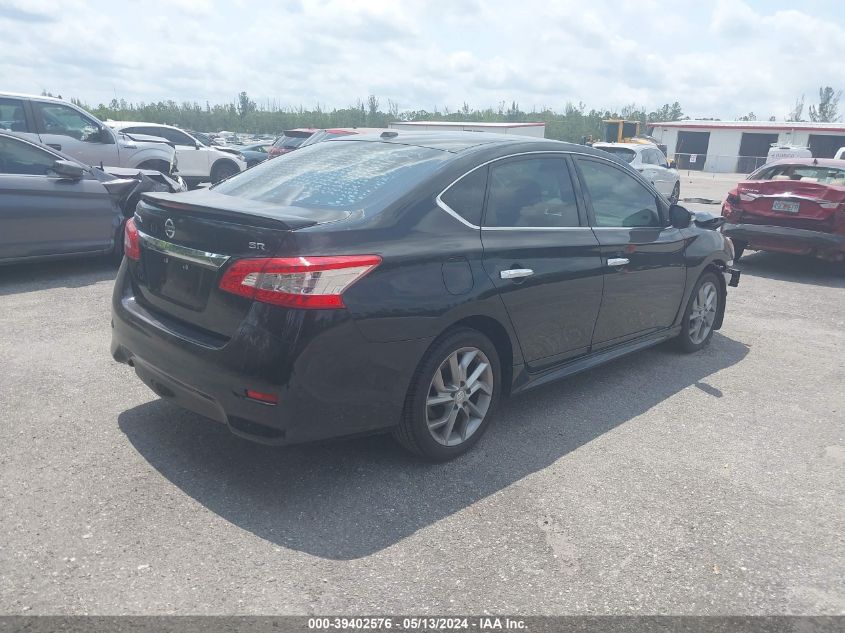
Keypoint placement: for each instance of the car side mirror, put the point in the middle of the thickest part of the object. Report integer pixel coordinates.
(197, 145)
(680, 217)
(68, 169)
(673, 164)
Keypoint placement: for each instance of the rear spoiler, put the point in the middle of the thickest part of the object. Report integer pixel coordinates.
(207, 202)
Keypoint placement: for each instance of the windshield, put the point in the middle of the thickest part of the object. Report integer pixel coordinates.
(804, 173)
(622, 152)
(290, 141)
(336, 175)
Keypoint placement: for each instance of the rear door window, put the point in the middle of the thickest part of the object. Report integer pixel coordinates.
(531, 192)
(12, 115)
(617, 198)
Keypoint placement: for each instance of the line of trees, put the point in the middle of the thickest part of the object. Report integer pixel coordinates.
(245, 115)
(575, 122)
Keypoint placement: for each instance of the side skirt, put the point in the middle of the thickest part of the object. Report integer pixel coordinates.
(524, 380)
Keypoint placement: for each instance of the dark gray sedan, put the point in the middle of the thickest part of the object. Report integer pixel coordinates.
(54, 206)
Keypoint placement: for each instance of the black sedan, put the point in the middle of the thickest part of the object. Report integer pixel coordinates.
(54, 206)
(407, 282)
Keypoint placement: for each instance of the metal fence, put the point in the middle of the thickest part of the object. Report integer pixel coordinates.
(718, 163)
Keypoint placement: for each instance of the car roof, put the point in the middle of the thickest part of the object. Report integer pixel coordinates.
(457, 142)
(820, 162)
(633, 146)
(21, 95)
(123, 124)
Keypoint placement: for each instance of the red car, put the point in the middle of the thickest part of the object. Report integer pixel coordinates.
(790, 206)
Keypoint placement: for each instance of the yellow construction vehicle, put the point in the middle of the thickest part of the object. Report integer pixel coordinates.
(620, 130)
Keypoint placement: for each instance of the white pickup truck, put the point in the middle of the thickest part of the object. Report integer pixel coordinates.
(73, 131)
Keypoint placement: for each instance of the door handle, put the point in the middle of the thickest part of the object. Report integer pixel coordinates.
(617, 261)
(516, 273)
(55, 146)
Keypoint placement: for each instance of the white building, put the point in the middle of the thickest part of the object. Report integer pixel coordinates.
(524, 129)
(741, 146)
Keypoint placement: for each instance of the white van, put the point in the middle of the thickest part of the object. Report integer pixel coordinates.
(778, 152)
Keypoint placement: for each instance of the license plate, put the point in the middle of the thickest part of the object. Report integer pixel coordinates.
(786, 206)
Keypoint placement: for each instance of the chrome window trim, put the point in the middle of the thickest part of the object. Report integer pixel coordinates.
(205, 259)
(445, 207)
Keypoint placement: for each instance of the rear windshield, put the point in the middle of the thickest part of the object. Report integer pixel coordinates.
(803, 173)
(336, 175)
(290, 141)
(622, 152)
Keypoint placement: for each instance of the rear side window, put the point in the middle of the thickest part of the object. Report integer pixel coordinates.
(533, 192)
(337, 175)
(618, 199)
(17, 157)
(466, 196)
(12, 116)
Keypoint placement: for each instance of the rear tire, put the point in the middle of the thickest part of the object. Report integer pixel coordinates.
(222, 170)
(700, 314)
(448, 410)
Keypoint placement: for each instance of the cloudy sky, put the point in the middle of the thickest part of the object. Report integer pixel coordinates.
(722, 58)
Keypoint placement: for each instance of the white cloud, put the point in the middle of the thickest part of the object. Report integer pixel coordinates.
(723, 60)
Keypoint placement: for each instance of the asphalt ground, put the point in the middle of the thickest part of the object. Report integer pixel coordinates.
(661, 483)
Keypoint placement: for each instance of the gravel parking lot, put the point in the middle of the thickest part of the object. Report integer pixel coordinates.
(662, 483)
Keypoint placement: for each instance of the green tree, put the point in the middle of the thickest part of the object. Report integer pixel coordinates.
(828, 109)
(245, 105)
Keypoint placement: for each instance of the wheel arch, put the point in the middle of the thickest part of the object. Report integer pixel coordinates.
(498, 335)
(716, 267)
(220, 162)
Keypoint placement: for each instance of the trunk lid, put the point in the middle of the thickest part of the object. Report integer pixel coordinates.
(187, 240)
(793, 203)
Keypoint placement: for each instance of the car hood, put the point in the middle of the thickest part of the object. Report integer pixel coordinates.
(143, 141)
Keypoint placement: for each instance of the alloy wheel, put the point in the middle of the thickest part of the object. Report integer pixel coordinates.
(459, 396)
(703, 312)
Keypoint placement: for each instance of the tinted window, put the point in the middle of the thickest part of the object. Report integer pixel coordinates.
(466, 197)
(618, 199)
(623, 153)
(659, 158)
(65, 121)
(531, 192)
(337, 174)
(12, 116)
(17, 157)
(648, 157)
(175, 136)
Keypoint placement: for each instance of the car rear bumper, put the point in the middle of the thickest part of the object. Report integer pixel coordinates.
(329, 382)
(785, 239)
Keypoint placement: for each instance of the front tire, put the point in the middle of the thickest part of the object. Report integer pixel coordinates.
(452, 397)
(700, 314)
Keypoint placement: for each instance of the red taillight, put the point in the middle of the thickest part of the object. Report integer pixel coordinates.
(297, 282)
(131, 245)
(260, 396)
